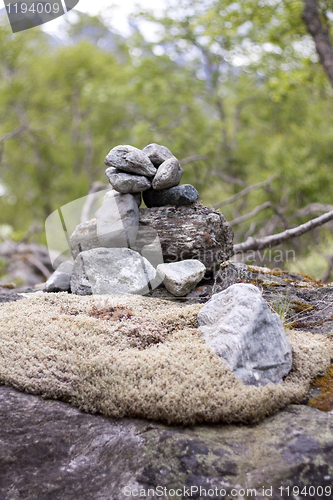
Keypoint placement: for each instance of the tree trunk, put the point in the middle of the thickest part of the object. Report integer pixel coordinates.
(320, 36)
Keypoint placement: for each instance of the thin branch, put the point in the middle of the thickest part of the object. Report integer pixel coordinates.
(276, 239)
(189, 159)
(245, 192)
(248, 216)
(35, 262)
(312, 208)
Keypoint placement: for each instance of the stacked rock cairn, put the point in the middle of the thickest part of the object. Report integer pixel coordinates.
(154, 174)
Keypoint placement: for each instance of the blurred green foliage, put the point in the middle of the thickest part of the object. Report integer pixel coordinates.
(238, 84)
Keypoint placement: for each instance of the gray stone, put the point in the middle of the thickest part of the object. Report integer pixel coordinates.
(127, 183)
(168, 175)
(75, 455)
(178, 195)
(60, 279)
(84, 238)
(157, 154)
(117, 220)
(104, 271)
(181, 277)
(240, 328)
(130, 159)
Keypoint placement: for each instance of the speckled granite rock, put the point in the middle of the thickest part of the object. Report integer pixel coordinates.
(239, 326)
(50, 450)
(127, 183)
(181, 277)
(104, 271)
(130, 159)
(168, 175)
(157, 154)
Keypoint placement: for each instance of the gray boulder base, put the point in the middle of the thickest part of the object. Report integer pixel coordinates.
(50, 450)
(60, 279)
(130, 159)
(111, 271)
(168, 175)
(240, 328)
(127, 183)
(179, 278)
(157, 154)
(117, 220)
(178, 195)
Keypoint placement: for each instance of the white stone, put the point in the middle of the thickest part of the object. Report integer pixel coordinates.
(111, 271)
(181, 277)
(117, 220)
(239, 326)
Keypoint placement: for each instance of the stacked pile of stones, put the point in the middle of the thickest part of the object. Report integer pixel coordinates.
(154, 172)
(112, 253)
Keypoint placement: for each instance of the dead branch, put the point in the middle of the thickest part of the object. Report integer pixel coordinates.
(248, 216)
(189, 159)
(245, 191)
(276, 239)
(35, 262)
(312, 208)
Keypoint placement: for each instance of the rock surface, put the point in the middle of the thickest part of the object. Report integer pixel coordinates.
(111, 271)
(130, 159)
(168, 175)
(157, 154)
(306, 303)
(181, 277)
(60, 279)
(239, 326)
(184, 194)
(190, 232)
(117, 220)
(127, 183)
(50, 450)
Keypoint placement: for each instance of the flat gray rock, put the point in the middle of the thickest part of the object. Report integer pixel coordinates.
(117, 220)
(51, 450)
(185, 194)
(60, 279)
(114, 271)
(157, 154)
(179, 278)
(168, 175)
(130, 159)
(127, 183)
(240, 328)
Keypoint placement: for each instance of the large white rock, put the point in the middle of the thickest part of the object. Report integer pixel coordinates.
(111, 271)
(239, 326)
(181, 277)
(117, 220)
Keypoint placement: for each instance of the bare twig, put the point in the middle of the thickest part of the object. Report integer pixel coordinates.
(276, 239)
(245, 191)
(189, 159)
(312, 208)
(35, 262)
(254, 212)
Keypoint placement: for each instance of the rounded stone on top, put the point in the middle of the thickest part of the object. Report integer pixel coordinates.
(168, 175)
(130, 159)
(157, 154)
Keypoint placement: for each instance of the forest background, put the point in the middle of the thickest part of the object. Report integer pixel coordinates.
(237, 91)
